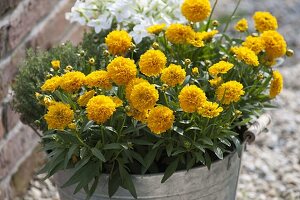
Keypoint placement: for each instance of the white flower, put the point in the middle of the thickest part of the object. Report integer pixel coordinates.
(120, 9)
(139, 32)
(103, 22)
(136, 14)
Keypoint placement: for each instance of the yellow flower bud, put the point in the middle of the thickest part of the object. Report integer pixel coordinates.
(155, 45)
(215, 23)
(289, 53)
(187, 61)
(92, 61)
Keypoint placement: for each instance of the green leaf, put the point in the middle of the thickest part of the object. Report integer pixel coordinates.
(77, 176)
(206, 140)
(228, 133)
(185, 121)
(132, 129)
(170, 170)
(199, 157)
(96, 152)
(138, 157)
(141, 142)
(242, 123)
(88, 126)
(193, 128)
(207, 160)
(93, 188)
(68, 137)
(157, 144)
(225, 141)
(218, 152)
(90, 171)
(179, 151)
(187, 80)
(178, 130)
(190, 162)
(114, 183)
(238, 146)
(112, 146)
(64, 98)
(169, 149)
(111, 129)
(82, 162)
(199, 146)
(69, 154)
(149, 159)
(127, 181)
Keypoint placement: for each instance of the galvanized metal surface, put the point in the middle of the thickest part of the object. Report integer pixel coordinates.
(218, 183)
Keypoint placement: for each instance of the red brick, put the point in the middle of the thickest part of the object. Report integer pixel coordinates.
(7, 5)
(17, 144)
(54, 29)
(21, 23)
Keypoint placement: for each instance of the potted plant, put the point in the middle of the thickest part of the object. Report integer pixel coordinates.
(121, 116)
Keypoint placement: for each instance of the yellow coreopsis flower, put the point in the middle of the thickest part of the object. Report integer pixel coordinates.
(229, 92)
(246, 55)
(264, 21)
(100, 108)
(138, 115)
(152, 62)
(274, 43)
(241, 25)
(276, 84)
(156, 29)
(196, 40)
(51, 84)
(195, 71)
(117, 101)
(196, 10)
(160, 119)
(72, 126)
(99, 79)
(173, 75)
(210, 109)
(118, 42)
(179, 34)
(208, 35)
(55, 64)
(254, 43)
(131, 84)
(215, 82)
(221, 67)
(121, 70)
(59, 115)
(191, 98)
(143, 96)
(83, 99)
(72, 81)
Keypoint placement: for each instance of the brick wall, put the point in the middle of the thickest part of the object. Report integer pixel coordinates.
(23, 24)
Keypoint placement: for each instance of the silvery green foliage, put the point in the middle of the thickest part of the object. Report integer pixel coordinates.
(132, 15)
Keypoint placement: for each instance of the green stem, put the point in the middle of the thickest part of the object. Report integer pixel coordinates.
(211, 13)
(102, 135)
(80, 140)
(228, 22)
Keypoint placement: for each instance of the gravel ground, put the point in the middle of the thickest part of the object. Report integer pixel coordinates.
(271, 166)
